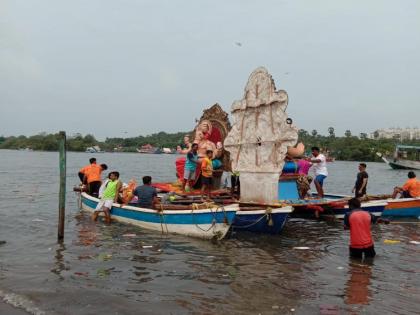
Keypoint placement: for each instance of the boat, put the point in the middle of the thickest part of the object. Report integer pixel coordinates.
(149, 149)
(402, 208)
(168, 151)
(205, 221)
(257, 220)
(405, 157)
(94, 149)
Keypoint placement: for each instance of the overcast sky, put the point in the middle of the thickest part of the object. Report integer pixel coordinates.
(131, 67)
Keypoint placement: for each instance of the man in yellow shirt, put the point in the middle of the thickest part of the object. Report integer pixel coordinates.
(206, 173)
(411, 188)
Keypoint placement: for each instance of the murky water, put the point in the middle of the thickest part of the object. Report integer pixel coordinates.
(122, 269)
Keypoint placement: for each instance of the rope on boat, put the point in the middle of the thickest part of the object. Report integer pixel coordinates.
(162, 220)
(267, 215)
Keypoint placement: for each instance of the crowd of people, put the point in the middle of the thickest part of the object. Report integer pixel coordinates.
(112, 190)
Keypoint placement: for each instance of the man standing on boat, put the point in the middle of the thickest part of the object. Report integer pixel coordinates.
(91, 175)
(190, 167)
(359, 222)
(146, 194)
(411, 188)
(319, 165)
(360, 186)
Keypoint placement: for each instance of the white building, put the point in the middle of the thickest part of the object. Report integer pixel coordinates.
(396, 133)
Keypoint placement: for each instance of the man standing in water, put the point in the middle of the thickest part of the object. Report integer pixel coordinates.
(109, 196)
(359, 222)
(360, 186)
(319, 165)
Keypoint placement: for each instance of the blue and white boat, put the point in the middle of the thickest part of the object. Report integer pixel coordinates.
(269, 220)
(207, 223)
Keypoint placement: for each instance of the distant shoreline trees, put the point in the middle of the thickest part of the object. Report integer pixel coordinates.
(348, 147)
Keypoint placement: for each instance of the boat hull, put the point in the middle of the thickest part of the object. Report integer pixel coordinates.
(262, 221)
(375, 207)
(403, 208)
(399, 164)
(203, 223)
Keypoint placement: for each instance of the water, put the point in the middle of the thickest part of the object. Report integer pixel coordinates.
(99, 270)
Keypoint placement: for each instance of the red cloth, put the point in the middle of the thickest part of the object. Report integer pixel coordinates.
(360, 236)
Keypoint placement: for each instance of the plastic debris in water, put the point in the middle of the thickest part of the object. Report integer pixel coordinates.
(37, 220)
(301, 247)
(147, 246)
(129, 235)
(390, 242)
(340, 268)
(414, 242)
(104, 257)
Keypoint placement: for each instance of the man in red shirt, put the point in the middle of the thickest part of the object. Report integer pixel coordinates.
(359, 222)
(411, 188)
(91, 175)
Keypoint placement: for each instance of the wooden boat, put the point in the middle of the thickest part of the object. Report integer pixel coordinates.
(209, 222)
(404, 157)
(149, 149)
(259, 220)
(404, 207)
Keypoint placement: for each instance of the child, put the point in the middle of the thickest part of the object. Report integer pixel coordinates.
(206, 173)
(109, 196)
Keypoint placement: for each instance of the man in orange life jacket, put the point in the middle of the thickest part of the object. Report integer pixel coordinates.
(359, 222)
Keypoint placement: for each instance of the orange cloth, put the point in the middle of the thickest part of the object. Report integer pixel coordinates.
(83, 169)
(360, 236)
(206, 167)
(92, 172)
(412, 185)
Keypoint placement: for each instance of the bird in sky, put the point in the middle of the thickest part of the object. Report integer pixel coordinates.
(238, 44)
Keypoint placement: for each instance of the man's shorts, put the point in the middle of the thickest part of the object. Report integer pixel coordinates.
(320, 179)
(358, 252)
(189, 175)
(104, 203)
(206, 180)
(406, 194)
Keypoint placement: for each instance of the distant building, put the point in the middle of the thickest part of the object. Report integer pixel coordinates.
(396, 133)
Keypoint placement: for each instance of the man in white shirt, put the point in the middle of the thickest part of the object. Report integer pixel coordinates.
(319, 165)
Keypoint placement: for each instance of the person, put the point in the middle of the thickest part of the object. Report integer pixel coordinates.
(82, 171)
(92, 177)
(360, 186)
(359, 222)
(190, 167)
(185, 147)
(319, 165)
(109, 196)
(304, 180)
(411, 188)
(146, 194)
(206, 174)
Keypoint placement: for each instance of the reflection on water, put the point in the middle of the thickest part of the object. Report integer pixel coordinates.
(357, 286)
(121, 269)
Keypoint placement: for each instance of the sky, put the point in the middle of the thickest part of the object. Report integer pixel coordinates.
(131, 67)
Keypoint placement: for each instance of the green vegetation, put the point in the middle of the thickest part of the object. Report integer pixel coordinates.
(349, 147)
(77, 142)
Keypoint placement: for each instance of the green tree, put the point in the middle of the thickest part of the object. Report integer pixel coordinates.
(347, 133)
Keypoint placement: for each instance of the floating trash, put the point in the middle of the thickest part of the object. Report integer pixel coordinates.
(390, 242)
(147, 246)
(104, 256)
(301, 247)
(37, 220)
(129, 235)
(414, 242)
(340, 268)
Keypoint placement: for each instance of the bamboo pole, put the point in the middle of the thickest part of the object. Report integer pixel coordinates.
(62, 191)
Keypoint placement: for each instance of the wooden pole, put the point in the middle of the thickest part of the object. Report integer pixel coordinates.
(62, 191)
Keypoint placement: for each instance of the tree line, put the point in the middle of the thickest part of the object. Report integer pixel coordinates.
(348, 147)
